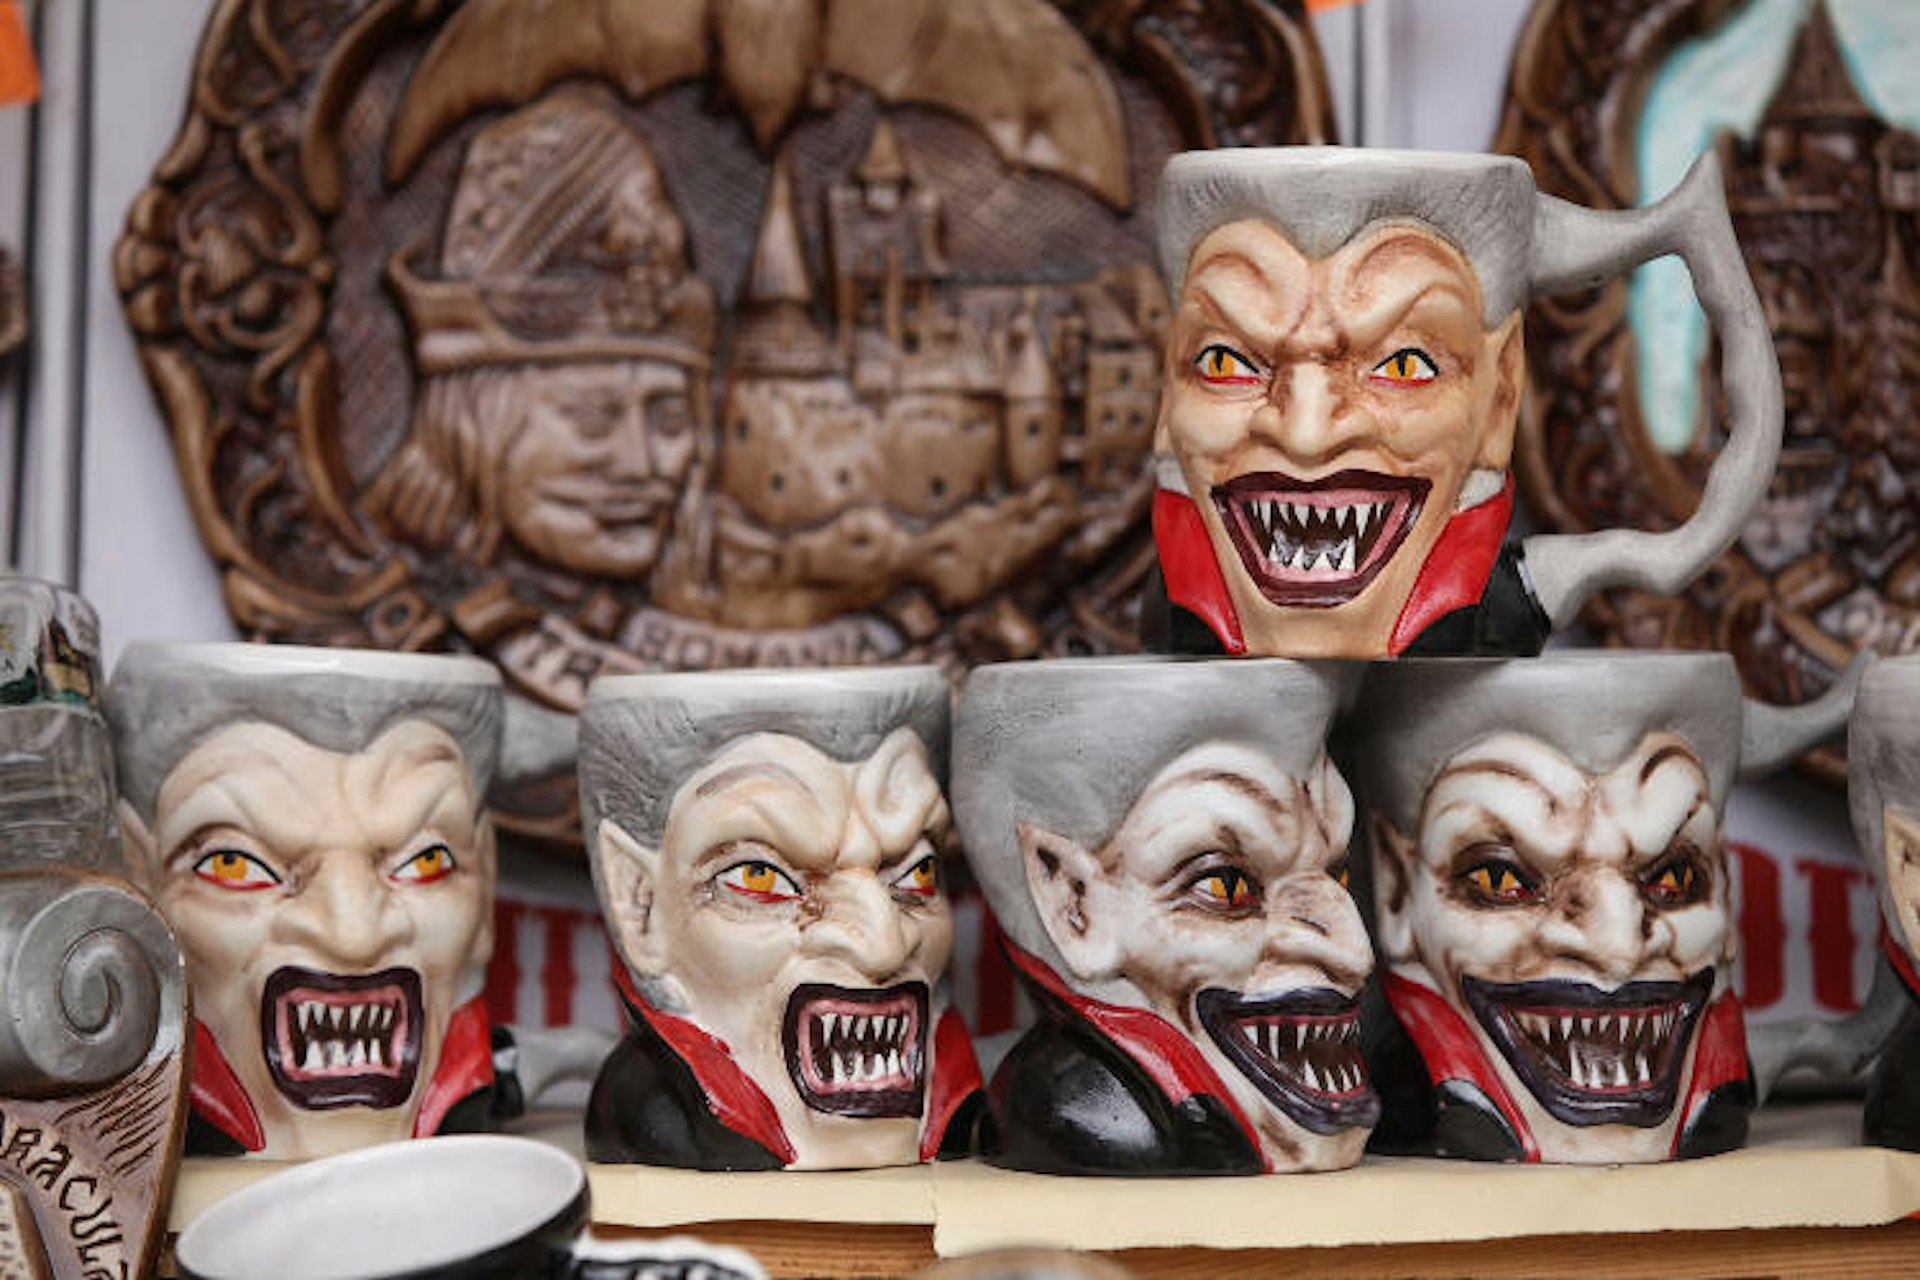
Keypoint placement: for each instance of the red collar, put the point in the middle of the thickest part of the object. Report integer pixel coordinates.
(1169, 1058)
(465, 1068)
(1454, 576)
(742, 1105)
(1453, 1052)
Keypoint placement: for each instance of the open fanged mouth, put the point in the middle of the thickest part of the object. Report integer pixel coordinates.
(1592, 1056)
(858, 1052)
(1318, 543)
(1302, 1050)
(336, 1040)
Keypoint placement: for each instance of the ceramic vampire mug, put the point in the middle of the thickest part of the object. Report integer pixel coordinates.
(1343, 376)
(1550, 895)
(312, 824)
(1883, 791)
(477, 1207)
(767, 849)
(1164, 844)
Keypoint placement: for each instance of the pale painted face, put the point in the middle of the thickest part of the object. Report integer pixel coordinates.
(1219, 903)
(333, 909)
(1579, 923)
(1902, 838)
(589, 482)
(794, 911)
(1327, 417)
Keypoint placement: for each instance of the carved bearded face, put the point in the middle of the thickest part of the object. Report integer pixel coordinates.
(794, 911)
(1577, 922)
(1329, 417)
(591, 478)
(1220, 901)
(333, 910)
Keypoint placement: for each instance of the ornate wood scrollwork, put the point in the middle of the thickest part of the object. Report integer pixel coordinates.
(1824, 195)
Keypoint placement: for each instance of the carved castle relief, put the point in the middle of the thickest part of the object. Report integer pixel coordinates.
(684, 333)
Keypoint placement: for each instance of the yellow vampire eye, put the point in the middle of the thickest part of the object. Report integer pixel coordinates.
(1672, 883)
(232, 869)
(430, 864)
(1406, 367)
(1343, 872)
(759, 881)
(1499, 882)
(1225, 888)
(922, 879)
(1223, 366)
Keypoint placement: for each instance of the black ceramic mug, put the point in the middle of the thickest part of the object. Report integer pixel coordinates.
(479, 1207)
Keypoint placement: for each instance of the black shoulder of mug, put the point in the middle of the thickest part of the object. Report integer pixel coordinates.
(648, 1107)
(1068, 1100)
(1892, 1116)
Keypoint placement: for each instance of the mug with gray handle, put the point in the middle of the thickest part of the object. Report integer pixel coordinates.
(1343, 381)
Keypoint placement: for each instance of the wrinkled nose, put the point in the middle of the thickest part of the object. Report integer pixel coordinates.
(1599, 921)
(861, 926)
(1308, 419)
(1316, 924)
(345, 915)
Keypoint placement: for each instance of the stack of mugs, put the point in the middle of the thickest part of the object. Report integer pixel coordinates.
(1356, 864)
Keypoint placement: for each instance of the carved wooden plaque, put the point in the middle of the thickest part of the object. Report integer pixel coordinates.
(1823, 193)
(605, 335)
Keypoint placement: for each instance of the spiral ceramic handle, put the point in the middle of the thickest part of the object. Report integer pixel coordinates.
(90, 978)
(1577, 248)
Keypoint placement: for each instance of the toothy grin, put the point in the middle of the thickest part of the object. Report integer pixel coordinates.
(1302, 1050)
(1592, 1056)
(336, 1040)
(857, 1052)
(1317, 543)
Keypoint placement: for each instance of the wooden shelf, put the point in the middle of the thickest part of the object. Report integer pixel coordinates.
(1799, 1201)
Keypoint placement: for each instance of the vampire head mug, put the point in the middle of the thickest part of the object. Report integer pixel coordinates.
(767, 847)
(1551, 899)
(312, 823)
(1343, 377)
(1164, 845)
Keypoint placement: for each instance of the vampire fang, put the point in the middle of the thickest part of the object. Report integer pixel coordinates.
(1592, 1056)
(855, 1052)
(1317, 543)
(340, 1040)
(1301, 1050)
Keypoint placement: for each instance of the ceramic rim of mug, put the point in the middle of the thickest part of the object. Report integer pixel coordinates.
(648, 684)
(402, 1205)
(268, 661)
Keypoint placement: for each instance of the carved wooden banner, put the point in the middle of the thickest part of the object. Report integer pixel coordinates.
(604, 335)
(1823, 190)
(92, 1077)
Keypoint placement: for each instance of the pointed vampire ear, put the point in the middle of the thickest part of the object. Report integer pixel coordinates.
(143, 857)
(1393, 856)
(1063, 879)
(487, 854)
(628, 873)
(1506, 346)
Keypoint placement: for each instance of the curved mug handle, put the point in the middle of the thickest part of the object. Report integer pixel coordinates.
(1576, 248)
